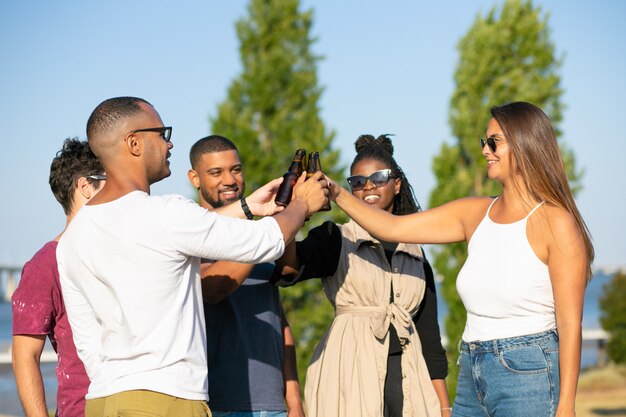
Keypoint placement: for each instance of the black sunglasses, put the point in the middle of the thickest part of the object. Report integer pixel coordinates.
(165, 131)
(491, 142)
(97, 177)
(378, 178)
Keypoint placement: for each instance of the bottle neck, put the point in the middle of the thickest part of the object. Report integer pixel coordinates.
(296, 166)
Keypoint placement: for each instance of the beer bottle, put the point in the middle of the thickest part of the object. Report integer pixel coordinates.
(283, 196)
(314, 166)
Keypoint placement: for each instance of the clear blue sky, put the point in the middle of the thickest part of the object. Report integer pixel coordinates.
(388, 68)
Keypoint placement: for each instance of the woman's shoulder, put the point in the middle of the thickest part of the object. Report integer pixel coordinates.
(472, 202)
(559, 220)
(553, 225)
(471, 206)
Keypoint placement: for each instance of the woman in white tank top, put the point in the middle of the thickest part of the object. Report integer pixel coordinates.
(529, 259)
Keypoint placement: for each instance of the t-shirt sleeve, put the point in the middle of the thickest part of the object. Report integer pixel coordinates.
(428, 329)
(32, 301)
(318, 255)
(196, 231)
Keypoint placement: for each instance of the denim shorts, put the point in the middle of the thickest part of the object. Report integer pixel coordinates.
(512, 377)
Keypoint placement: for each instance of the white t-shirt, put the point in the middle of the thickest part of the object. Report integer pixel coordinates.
(129, 272)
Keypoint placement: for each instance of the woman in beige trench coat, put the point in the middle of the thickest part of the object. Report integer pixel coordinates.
(370, 361)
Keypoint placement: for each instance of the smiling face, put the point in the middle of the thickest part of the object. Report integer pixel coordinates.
(219, 178)
(381, 197)
(499, 163)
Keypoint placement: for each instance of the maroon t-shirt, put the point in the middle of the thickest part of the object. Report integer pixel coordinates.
(38, 309)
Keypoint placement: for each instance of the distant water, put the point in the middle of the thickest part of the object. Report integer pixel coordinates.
(9, 402)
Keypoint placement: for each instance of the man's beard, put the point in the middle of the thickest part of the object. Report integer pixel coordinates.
(220, 203)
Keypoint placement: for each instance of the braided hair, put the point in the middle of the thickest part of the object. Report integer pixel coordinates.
(381, 149)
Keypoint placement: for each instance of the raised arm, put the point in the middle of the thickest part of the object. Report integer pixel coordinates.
(445, 224)
(308, 197)
(567, 263)
(317, 256)
(260, 202)
(221, 278)
(288, 264)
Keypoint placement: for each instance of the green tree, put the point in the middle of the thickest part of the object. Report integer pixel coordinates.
(613, 316)
(272, 108)
(505, 56)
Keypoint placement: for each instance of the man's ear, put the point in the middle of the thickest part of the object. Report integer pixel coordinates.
(134, 144)
(193, 178)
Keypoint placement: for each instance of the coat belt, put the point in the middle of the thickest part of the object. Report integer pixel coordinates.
(381, 317)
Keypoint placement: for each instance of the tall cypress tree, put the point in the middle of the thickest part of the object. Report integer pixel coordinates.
(505, 56)
(272, 108)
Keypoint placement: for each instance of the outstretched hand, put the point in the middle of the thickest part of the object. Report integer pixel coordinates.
(261, 202)
(333, 189)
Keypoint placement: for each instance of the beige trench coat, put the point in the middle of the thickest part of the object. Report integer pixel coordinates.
(346, 375)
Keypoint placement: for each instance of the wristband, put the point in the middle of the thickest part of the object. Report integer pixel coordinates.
(246, 209)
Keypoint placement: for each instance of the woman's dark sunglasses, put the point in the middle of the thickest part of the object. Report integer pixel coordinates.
(378, 178)
(491, 142)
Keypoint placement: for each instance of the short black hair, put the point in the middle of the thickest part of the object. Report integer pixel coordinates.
(74, 160)
(111, 112)
(209, 144)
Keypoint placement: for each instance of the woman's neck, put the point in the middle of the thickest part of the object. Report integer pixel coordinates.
(517, 199)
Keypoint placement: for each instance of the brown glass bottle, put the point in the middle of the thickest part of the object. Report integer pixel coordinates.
(314, 166)
(283, 196)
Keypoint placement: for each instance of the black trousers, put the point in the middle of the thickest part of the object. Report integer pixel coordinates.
(393, 380)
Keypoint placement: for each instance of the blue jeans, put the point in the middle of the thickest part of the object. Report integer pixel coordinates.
(512, 377)
(249, 414)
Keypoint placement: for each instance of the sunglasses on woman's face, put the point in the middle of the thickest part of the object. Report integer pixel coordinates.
(491, 142)
(378, 178)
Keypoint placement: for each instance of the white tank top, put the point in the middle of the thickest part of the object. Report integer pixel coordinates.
(505, 288)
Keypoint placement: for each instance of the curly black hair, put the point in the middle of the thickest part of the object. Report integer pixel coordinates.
(74, 160)
(381, 149)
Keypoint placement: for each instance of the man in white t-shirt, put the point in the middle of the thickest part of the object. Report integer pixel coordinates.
(129, 266)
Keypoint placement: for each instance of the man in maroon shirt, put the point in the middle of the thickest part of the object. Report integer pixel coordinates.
(38, 310)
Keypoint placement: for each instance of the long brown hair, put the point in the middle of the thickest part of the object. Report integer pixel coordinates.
(536, 155)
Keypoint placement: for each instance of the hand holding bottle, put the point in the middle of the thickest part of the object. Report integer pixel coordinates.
(284, 193)
(314, 166)
(313, 192)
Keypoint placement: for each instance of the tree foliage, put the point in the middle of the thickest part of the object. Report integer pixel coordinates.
(613, 316)
(272, 108)
(506, 56)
